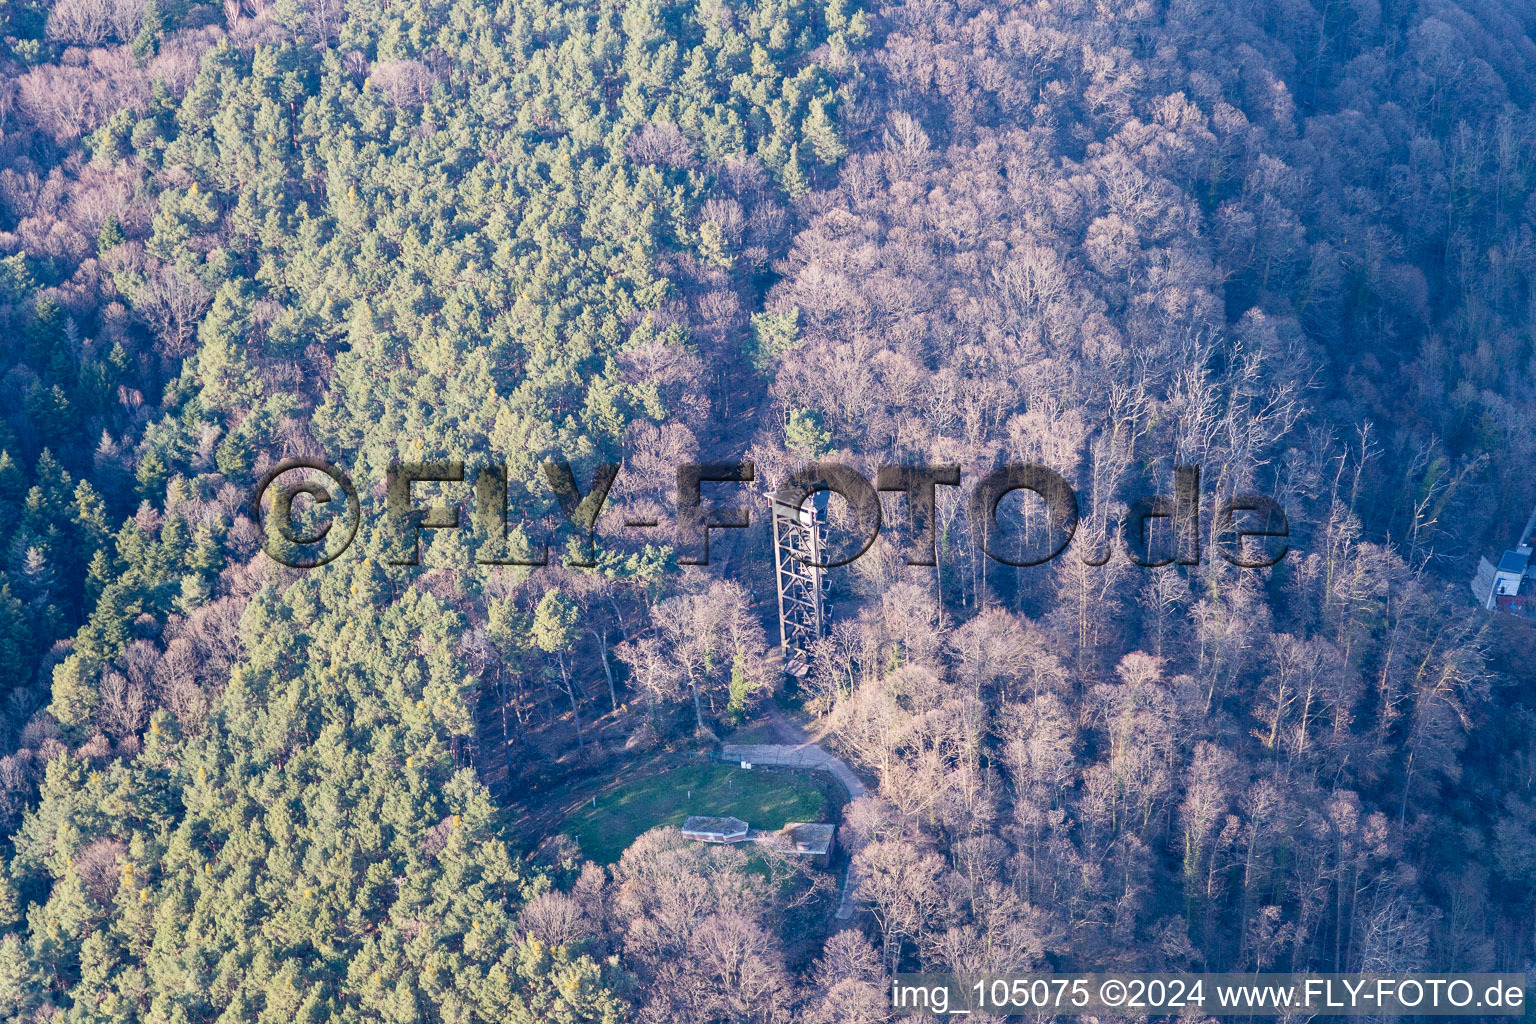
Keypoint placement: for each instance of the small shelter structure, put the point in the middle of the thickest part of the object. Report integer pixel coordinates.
(715, 830)
(815, 840)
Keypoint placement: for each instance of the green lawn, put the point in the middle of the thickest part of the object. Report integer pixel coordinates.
(760, 798)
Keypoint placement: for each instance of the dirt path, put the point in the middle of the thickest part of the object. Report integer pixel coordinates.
(800, 751)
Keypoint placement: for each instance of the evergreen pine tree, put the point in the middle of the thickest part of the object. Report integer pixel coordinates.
(152, 23)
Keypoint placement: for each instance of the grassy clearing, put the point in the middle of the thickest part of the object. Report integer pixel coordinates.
(761, 798)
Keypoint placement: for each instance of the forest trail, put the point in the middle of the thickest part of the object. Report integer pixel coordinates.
(801, 751)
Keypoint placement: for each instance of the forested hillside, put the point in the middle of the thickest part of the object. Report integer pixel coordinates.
(1289, 242)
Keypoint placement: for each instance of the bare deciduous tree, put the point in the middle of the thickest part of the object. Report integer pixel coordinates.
(172, 302)
(87, 22)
